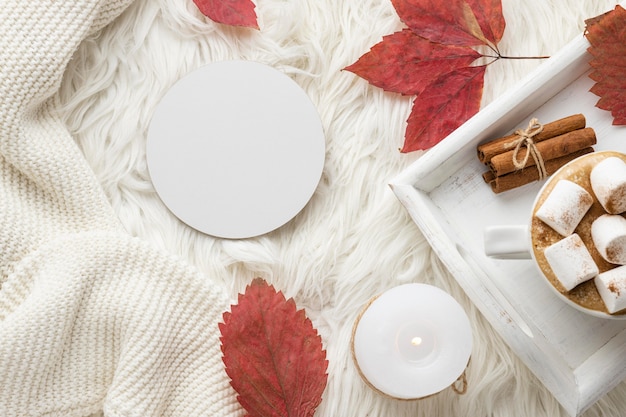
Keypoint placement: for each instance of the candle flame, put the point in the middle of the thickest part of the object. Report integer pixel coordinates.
(416, 341)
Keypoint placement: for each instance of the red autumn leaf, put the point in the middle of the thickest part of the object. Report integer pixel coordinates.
(229, 12)
(433, 59)
(454, 22)
(607, 36)
(405, 63)
(272, 354)
(443, 106)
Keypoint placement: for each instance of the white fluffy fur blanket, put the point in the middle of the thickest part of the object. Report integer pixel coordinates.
(354, 239)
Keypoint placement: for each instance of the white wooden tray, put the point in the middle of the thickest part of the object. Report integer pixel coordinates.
(578, 357)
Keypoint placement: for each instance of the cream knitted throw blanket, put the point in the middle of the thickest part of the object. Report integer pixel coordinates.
(90, 318)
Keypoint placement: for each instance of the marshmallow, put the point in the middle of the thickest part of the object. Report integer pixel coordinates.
(570, 261)
(566, 205)
(609, 236)
(612, 288)
(608, 182)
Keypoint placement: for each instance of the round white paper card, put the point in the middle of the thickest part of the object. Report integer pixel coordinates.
(235, 149)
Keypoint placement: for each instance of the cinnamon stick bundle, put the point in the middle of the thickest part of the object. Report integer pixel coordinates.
(550, 130)
(549, 149)
(551, 146)
(529, 174)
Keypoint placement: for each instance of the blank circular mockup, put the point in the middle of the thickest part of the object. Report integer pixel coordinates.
(235, 149)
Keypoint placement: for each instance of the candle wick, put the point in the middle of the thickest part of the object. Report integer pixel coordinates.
(416, 341)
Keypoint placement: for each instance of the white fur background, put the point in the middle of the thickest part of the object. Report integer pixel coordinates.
(354, 239)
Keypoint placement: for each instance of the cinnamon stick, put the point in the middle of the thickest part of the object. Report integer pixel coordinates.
(489, 176)
(530, 174)
(488, 150)
(548, 149)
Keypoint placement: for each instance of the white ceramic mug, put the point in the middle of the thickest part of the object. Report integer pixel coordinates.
(529, 241)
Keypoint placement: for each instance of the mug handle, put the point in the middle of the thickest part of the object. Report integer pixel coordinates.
(507, 242)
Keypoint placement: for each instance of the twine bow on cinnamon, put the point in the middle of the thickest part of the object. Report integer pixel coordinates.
(525, 138)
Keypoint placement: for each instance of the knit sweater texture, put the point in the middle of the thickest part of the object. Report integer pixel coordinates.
(91, 319)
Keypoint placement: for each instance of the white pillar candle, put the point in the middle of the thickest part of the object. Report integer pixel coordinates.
(412, 341)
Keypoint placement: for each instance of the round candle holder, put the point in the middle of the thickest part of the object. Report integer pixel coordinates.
(412, 342)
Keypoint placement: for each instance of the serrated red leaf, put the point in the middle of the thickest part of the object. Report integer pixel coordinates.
(272, 354)
(444, 106)
(454, 22)
(607, 36)
(229, 12)
(406, 63)
(615, 63)
(601, 89)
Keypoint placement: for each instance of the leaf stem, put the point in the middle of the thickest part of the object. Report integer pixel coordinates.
(499, 56)
(523, 57)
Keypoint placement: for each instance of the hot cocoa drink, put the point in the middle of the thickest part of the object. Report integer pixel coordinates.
(579, 245)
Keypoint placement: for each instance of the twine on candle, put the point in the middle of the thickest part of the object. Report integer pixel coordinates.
(460, 385)
(526, 139)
